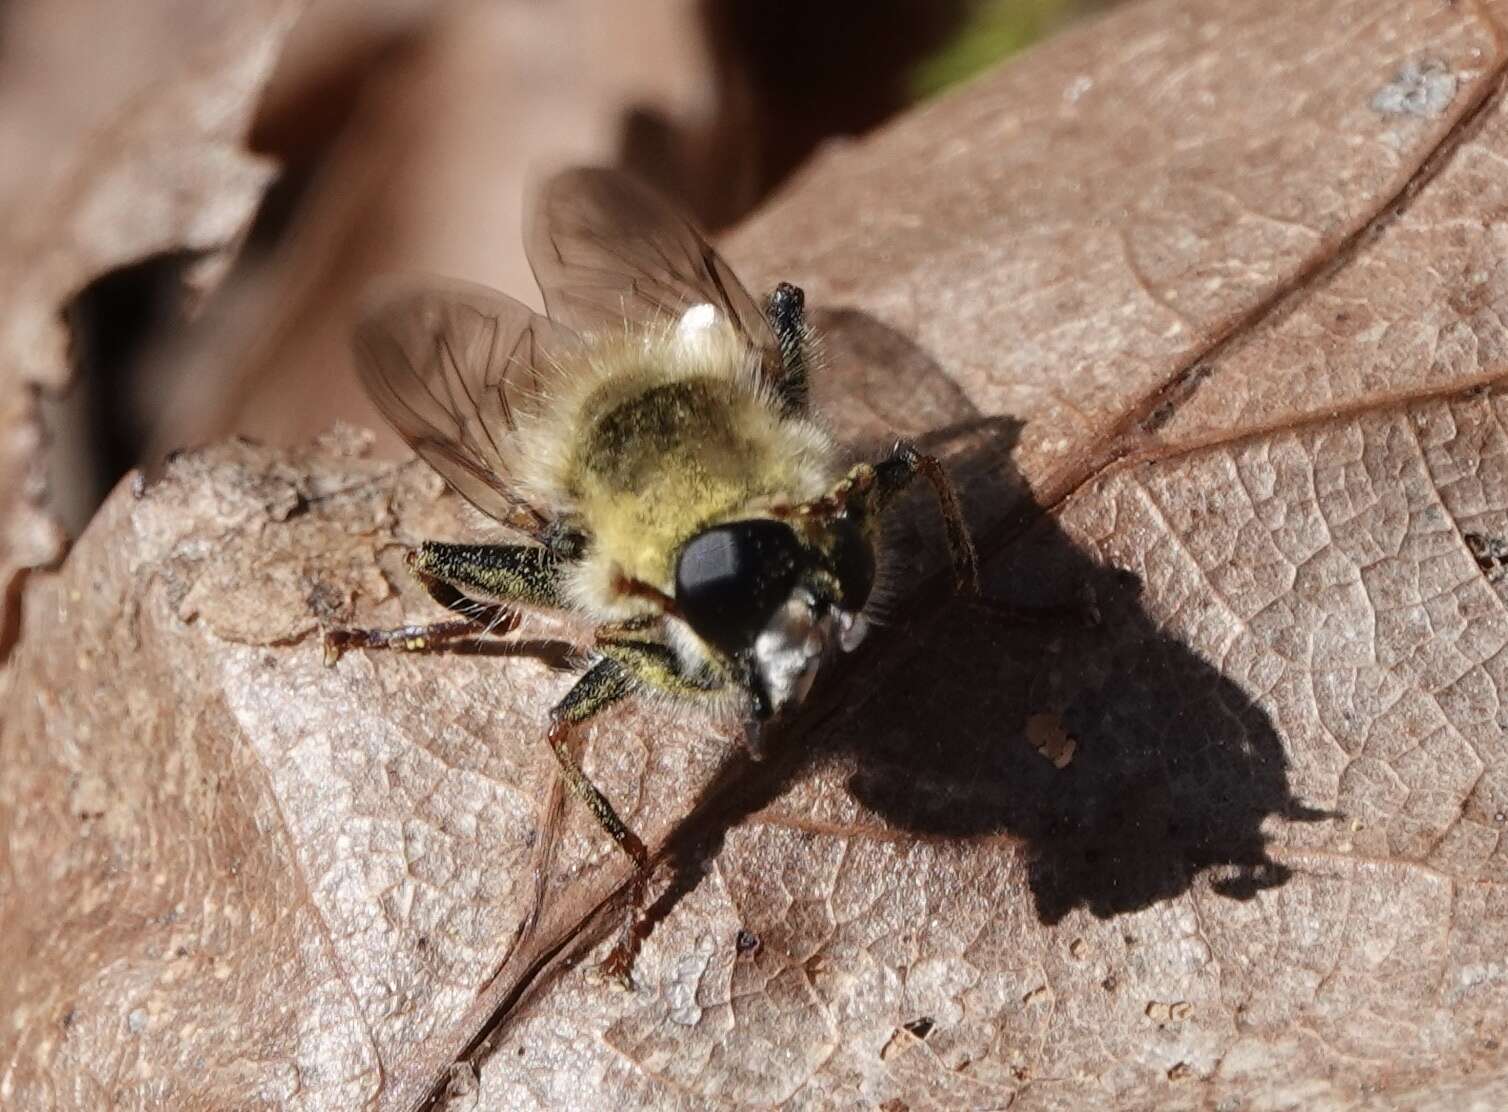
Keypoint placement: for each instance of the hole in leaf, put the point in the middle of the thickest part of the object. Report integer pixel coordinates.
(921, 1027)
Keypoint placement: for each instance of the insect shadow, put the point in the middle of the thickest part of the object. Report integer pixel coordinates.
(1173, 770)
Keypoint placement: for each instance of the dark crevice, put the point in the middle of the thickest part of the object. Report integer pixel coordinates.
(282, 202)
(10, 612)
(921, 1027)
(790, 77)
(103, 424)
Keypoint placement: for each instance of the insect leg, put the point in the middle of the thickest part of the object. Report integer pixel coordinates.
(408, 638)
(526, 575)
(453, 574)
(630, 661)
(894, 473)
(785, 309)
(605, 684)
(868, 489)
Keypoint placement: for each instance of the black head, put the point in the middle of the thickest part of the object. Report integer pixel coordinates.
(731, 578)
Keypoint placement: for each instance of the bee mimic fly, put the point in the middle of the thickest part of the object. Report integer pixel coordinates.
(650, 441)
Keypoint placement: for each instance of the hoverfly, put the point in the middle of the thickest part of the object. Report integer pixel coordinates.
(650, 441)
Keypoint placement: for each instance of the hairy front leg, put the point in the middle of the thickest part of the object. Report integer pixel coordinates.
(507, 576)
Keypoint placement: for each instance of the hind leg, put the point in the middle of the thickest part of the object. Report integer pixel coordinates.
(454, 574)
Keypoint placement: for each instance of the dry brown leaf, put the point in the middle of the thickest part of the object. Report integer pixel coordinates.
(120, 133)
(1272, 875)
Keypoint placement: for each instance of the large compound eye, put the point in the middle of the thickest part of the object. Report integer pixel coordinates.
(853, 563)
(730, 580)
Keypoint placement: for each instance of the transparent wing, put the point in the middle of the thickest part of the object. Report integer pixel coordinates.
(451, 366)
(606, 249)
